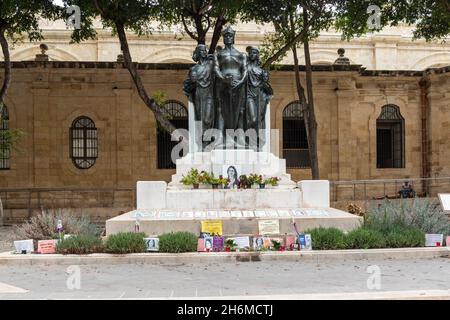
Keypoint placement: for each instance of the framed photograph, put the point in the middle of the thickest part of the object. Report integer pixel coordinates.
(152, 244)
(232, 173)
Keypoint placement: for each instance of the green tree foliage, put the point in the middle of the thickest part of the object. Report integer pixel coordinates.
(198, 17)
(430, 18)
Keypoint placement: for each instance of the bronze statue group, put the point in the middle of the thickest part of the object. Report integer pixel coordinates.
(229, 90)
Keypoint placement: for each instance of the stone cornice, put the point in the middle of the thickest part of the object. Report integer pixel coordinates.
(185, 66)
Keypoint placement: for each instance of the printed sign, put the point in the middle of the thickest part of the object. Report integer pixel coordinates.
(211, 215)
(24, 246)
(260, 214)
(259, 243)
(434, 240)
(168, 215)
(200, 214)
(289, 242)
(272, 213)
(298, 213)
(248, 214)
(242, 242)
(305, 242)
(224, 214)
(267, 227)
(284, 213)
(444, 199)
(236, 214)
(46, 246)
(152, 244)
(187, 215)
(144, 214)
(213, 227)
(205, 245)
(218, 244)
(232, 173)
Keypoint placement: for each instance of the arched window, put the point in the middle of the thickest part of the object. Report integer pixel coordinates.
(83, 143)
(390, 138)
(5, 147)
(295, 140)
(177, 113)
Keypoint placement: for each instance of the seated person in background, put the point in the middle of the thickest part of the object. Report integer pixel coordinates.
(407, 191)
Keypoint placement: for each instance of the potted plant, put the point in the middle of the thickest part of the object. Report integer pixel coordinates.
(257, 180)
(223, 181)
(205, 178)
(191, 178)
(215, 182)
(230, 245)
(273, 181)
(244, 182)
(276, 245)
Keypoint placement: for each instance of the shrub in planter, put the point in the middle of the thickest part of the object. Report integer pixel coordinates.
(126, 242)
(327, 239)
(405, 238)
(363, 238)
(418, 213)
(176, 242)
(80, 244)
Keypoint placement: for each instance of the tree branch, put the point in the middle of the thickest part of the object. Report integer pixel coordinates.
(149, 102)
(291, 43)
(220, 22)
(186, 28)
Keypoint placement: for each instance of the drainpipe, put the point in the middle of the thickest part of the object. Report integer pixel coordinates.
(424, 86)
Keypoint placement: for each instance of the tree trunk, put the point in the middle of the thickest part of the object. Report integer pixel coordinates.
(149, 102)
(220, 22)
(311, 115)
(7, 66)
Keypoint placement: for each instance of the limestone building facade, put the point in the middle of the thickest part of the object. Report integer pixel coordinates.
(387, 115)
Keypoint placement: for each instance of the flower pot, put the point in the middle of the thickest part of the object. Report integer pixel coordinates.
(227, 249)
(215, 186)
(262, 186)
(195, 185)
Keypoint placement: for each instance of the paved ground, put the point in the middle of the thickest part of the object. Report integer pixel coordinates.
(230, 279)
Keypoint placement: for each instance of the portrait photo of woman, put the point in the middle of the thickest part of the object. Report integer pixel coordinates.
(232, 176)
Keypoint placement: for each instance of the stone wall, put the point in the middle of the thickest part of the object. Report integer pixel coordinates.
(45, 98)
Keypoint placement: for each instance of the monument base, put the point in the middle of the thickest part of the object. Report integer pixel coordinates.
(156, 223)
(162, 209)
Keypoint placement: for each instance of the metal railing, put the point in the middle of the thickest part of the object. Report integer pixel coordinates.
(367, 190)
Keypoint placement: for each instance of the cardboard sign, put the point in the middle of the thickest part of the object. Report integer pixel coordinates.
(434, 240)
(267, 227)
(218, 244)
(152, 244)
(46, 246)
(24, 246)
(289, 242)
(213, 227)
(305, 242)
(444, 199)
(242, 242)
